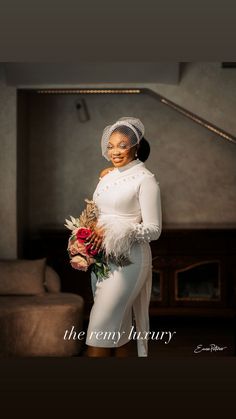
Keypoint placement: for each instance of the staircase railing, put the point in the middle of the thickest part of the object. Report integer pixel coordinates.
(190, 115)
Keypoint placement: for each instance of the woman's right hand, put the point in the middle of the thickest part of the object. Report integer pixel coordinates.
(96, 238)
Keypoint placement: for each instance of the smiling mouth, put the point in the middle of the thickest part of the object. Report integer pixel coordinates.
(117, 159)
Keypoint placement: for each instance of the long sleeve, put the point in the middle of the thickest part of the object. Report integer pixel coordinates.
(150, 203)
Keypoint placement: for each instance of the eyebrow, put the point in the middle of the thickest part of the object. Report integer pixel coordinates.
(122, 141)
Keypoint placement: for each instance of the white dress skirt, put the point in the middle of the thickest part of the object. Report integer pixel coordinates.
(129, 203)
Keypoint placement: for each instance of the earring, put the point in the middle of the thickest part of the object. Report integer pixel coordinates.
(136, 154)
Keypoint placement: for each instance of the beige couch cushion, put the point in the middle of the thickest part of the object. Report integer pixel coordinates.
(36, 325)
(22, 276)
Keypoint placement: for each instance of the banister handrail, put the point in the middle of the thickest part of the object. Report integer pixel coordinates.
(190, 115)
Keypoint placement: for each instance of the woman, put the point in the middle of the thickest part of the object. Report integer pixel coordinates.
(129, 203)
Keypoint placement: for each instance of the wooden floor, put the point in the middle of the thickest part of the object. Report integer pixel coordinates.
(211, 333)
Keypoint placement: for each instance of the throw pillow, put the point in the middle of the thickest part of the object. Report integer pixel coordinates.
(52, 280)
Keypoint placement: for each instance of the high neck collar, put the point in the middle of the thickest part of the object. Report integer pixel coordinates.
(129, 165)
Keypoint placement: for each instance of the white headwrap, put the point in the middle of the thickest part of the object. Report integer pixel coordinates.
(133, 123)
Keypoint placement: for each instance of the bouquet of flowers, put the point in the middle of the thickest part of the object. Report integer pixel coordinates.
(82, 255)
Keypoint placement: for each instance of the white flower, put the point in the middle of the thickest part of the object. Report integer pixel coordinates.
(73, 224)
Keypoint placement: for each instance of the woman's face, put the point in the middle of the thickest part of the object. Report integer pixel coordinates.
(119, 149)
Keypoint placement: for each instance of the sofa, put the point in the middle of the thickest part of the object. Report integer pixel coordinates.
(36, 318)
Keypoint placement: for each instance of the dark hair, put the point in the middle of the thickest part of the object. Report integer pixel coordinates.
(143, 149)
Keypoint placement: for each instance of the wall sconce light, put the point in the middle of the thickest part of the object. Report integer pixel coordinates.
(82, 110)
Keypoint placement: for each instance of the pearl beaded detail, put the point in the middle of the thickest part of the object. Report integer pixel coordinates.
(142, 233)
(127, 178)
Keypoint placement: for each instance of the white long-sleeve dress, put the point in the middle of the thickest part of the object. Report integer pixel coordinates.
(129, 203)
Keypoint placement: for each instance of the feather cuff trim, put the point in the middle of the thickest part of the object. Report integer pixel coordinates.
(118, 237)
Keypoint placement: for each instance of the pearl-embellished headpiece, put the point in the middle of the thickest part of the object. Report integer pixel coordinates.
(127, 121)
